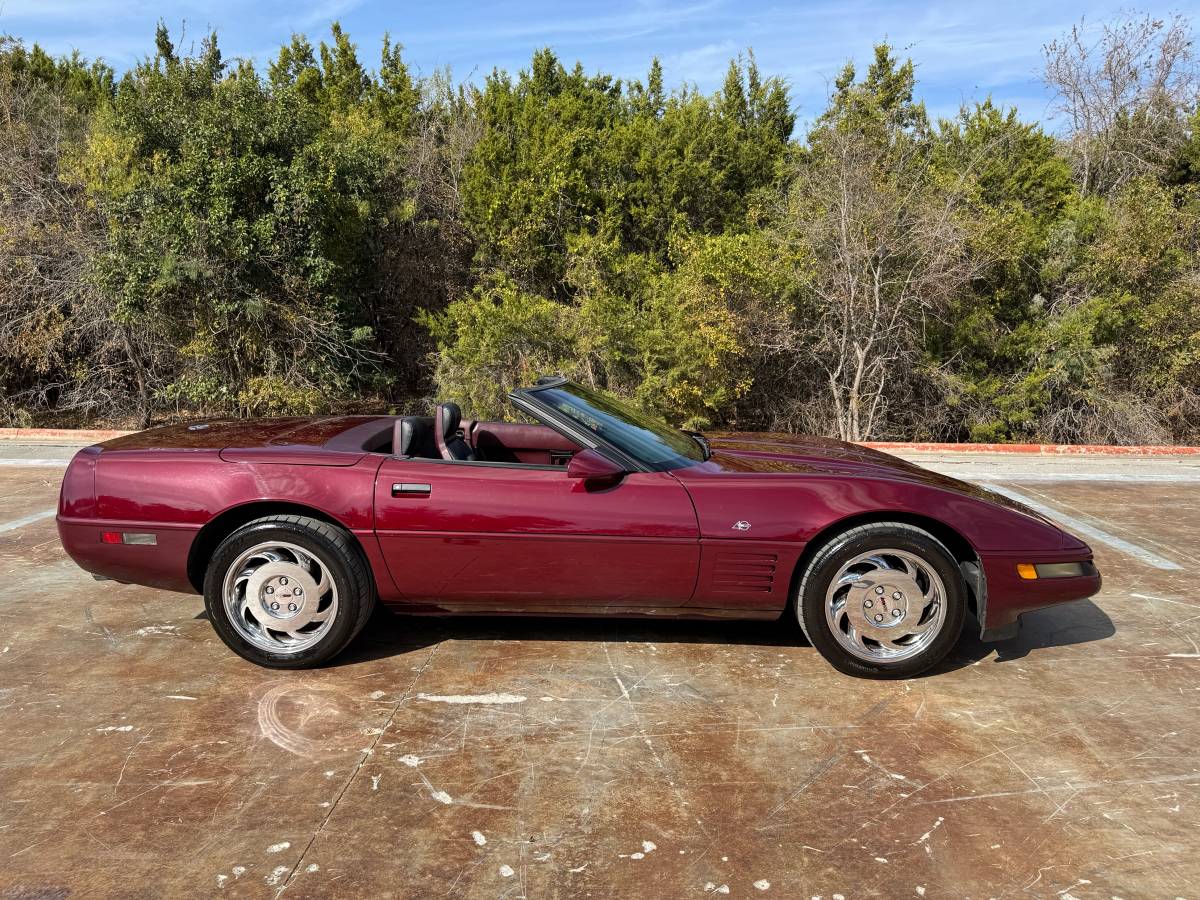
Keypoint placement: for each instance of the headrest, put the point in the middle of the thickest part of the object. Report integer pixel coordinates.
(448, 418)
(413, 436)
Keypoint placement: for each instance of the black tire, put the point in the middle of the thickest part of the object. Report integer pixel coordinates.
(828, 561)
(334, 548)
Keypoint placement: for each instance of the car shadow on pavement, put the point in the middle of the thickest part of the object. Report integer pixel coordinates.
(1081, 622)
(388, 634)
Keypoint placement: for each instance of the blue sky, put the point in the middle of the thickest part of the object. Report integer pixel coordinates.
(964, 51)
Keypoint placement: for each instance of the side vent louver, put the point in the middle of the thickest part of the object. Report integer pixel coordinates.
(742, 572)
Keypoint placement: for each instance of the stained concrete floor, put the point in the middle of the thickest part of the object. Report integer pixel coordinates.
(138, 757)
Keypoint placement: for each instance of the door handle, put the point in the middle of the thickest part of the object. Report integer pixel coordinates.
(410, 490)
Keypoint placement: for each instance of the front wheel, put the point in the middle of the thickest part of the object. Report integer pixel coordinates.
(883, 600)
(288, 592)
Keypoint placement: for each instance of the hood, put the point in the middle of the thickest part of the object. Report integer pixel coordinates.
(767, 452)
(802, 454)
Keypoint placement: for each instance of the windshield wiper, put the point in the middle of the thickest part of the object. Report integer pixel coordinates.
(700, 439)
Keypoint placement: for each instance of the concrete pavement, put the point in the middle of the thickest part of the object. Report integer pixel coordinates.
(552, 758)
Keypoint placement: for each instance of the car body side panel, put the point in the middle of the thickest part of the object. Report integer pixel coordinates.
(763, 514)
(163, 565)
(174, 493)
(528, 537)
(745, 574)
(193, 487)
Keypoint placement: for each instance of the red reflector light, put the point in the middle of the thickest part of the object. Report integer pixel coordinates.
(111, 537)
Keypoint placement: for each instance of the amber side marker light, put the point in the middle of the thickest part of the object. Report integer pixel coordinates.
(1031, 572)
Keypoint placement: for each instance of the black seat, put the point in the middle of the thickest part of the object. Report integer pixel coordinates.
(413, 436)
(450, 441)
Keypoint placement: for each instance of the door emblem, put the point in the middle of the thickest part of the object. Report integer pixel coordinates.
(741, 525)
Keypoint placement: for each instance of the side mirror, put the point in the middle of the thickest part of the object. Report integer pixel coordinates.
(594, 469)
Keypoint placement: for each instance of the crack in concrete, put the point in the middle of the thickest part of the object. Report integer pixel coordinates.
(641, 730)
(366, 754)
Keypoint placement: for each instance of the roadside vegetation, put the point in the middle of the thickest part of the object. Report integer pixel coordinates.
(200, 237)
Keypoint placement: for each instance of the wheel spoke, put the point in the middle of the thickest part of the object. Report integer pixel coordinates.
(856, 638)
(247, 605)
(922, 627)
(848, 578)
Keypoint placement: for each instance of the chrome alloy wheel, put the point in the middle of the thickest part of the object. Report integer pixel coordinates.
(280, 597)
(886, 605)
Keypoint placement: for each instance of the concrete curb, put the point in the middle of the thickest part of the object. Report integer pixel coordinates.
(1038, 449)
(85, 436)
(67, 435)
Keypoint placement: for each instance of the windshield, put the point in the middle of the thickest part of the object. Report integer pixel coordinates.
(643, 437)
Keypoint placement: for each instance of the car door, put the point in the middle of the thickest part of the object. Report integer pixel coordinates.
(504, 536)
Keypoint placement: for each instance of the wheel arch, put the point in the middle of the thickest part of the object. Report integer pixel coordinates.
(964, 554)
(209, 537)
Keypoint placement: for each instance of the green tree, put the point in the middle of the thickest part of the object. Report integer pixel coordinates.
(241, 216)
(881, 237)
(57, 350)
(1019, 188)
(498, 338)
(197, 236)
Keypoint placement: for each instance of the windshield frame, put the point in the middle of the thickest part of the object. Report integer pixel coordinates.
(529, 401)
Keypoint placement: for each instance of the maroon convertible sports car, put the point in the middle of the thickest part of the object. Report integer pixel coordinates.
(292, 528)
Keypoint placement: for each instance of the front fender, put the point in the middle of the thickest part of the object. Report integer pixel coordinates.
(793, 509)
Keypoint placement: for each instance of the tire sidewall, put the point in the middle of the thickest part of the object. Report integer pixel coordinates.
(330, 555)
(827, 563)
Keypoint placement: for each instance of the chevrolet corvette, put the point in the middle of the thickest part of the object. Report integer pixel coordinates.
(294, 528)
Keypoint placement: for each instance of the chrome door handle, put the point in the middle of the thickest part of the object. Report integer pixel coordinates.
(410, 490)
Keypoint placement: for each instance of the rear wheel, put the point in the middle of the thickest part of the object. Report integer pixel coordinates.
(288, 592)
(883, 600)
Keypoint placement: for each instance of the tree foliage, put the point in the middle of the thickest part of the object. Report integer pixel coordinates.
(879, 223)
(196, 236)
